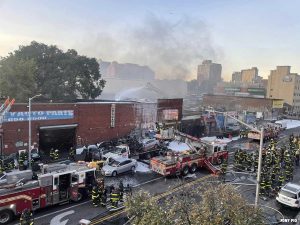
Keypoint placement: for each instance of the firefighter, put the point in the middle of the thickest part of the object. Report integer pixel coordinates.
(281, 180)
(26, 218)
(22, 160)
(56, 154)
(128, 190)
(52, 154)
(104, 197)
(72, 154)
(121, 189)
(262, 186)
(95, 196)
(297, 156)
(1, 167)
(115, 198)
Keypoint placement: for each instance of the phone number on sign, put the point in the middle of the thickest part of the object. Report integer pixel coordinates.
(288, 220)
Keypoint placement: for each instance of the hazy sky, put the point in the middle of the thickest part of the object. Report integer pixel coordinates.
(170, 36)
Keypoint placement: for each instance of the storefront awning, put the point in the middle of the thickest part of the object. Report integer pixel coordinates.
(59, 127)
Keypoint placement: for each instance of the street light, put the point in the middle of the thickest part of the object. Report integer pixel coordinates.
(261, 132)
(29, 129)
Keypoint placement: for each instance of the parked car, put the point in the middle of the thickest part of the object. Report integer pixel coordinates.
(118, 165)
(115, 152)
(289, 195)
(149, 143)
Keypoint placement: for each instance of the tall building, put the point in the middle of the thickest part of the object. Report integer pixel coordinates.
(282, 84)
(127, 71)
(246, 76)
(249, 75)
(236, 77)
(208, 75)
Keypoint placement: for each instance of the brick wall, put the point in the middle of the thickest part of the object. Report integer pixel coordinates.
(93, 119)
(163, 104)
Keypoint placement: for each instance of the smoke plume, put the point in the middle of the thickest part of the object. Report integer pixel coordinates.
(172, 49)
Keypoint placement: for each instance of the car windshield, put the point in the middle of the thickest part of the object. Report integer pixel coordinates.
(288, 194)
(113, 163)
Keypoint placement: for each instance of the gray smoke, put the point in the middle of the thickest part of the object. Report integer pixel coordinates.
(172, 49)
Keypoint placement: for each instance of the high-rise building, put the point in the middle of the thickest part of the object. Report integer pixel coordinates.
(208, 75)
(246, 76)
(249, 75)
(236, 77)
(282, 84)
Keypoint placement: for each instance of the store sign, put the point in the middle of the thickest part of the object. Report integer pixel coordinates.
(39, 115)
(256, 90)
(170, 114)
(112, 115)
(277, 104)
(232, 89)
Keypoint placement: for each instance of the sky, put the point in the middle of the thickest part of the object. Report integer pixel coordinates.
(170, 36)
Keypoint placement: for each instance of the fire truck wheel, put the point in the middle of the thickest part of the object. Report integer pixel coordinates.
(79, 197)
(114, 173)
(193, 168)
(6, 216)
(220, 160)
(185, 171)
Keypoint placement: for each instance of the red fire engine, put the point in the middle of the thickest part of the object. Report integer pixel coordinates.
(56, 184)
(189, 161)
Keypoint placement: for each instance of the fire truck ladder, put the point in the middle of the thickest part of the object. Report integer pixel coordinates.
(210, 167)
(4, 108)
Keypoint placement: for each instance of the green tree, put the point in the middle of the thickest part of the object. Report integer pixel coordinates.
(17, 77)
(205, 205)
(48, 70)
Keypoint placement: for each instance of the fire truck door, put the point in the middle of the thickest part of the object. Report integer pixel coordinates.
(55, 195)
(74, 187)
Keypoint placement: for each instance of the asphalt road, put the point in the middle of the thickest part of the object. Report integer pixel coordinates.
(70, 214)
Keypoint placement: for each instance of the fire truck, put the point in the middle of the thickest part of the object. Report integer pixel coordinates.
(56, 184)
(201, 155)
(268, 134)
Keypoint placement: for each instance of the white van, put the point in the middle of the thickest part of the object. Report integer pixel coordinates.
(289, 195)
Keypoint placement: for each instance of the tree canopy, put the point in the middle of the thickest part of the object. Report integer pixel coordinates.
(205, 205)
(42, 69)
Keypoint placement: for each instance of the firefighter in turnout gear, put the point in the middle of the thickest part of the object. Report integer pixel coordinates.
(22, 158)
(104, 198)
(121, 189)
(56, 154)
(72, 154)
(95, 196)
(1, 167)
(52, 154)
(115, 198)
(26, 218)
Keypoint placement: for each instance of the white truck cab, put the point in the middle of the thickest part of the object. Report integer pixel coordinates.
(289, 195)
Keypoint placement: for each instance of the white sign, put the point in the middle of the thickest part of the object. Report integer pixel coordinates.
(112, 115)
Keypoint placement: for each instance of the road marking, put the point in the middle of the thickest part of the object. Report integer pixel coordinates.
(149, 181)
(83, 203)
(56, 220)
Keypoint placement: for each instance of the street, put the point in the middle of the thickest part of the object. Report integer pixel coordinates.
(157, 185)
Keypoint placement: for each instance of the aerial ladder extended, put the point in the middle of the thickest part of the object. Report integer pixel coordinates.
(4, 108)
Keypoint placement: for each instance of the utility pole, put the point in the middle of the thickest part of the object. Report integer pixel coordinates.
(29, 129)
(261, 132)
